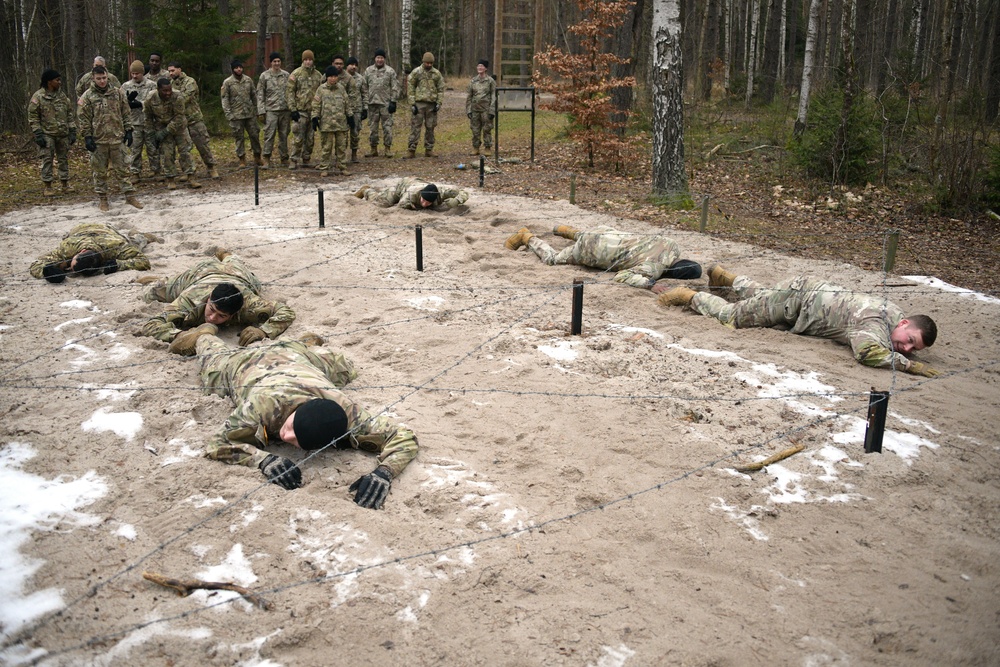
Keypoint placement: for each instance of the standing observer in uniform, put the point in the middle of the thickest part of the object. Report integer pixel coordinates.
(360, 104)
(273, 105)
(331, 117)
(52, 118)
(426, 93)
(136, 90)
(155, 72)
(382, 91)
(88, 77)
(165, 117)
(239, 103)
(197, 129)
(106, 124)
(481, 107)
(302, 85)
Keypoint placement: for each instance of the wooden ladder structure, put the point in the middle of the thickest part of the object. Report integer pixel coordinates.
(517, 38)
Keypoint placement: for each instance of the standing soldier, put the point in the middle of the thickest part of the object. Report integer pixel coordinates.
(239, 103)
(361, 104)
(52, 121)
(106, 123)
(331, 117)
(197, 130)
(88, 77)
(382, 91)
(137, 89)
(481, 106)
(302, 85)
(353, 88)
(272, 104)
(155, 73)
(168, 127)
(426, 92)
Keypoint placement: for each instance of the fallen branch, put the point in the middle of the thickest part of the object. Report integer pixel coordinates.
(186, 587)
(774, 458)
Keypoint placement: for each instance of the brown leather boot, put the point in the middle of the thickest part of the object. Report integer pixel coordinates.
(519, 239)
(678, 296)
(360, 194)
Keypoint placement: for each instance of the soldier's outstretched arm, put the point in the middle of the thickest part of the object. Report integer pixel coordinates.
(273, 317)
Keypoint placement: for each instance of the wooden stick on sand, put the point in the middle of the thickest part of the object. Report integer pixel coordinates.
(187, 586)
(774, 458)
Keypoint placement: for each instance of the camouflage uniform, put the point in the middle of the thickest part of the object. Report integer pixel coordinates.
(359, 99)
(104, 115)
(426, 91)
(189, 292)
(406, 194)
(155, 78)
(272, 104)
(812, 307)
(83, 84)
(638, 259)
(169, 115)
(140, 135)
(331, 104)
(381, 87)
(197, 130)
(481, 103)
(53, 114)
(301, 87)
(267, 383)
(111, 243)
(239, 103)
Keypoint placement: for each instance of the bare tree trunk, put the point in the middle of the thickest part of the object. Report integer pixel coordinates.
(261, 37)
(783, 36)
(841, 147)
(377, 32)
(406, 22)
(752, 49)
(669, 177)
(286, 34)
(807, 68)
(993, 81)
(772, 49)
(728, 65)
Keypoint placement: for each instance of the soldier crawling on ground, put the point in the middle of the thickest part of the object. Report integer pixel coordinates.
(91, 248)
(414, 194)
(874, 327)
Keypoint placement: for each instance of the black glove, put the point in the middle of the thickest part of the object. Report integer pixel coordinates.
(295, 116)
(133, 103)
(415, 110)
(469, 115)
(110, 266)
(373, 488)
(72, 136)
(364, 113)
(350, 122)
(128, 138)
(437, 107)
(40, 139)
(53, 272)
(281, 471)
(90, 144)
(315, 124)
(392, 107)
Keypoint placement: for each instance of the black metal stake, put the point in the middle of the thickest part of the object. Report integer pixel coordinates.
(482, 169)
(878, 408)
(322, 221)
(256, 185)
(420, 248)
(577, 325)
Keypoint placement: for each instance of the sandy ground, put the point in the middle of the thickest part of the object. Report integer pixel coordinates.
(574, 501)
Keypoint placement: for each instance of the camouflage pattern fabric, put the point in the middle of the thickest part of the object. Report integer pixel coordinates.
(110, 156)
(199, 136)
(302, 85)
(331, 104)
(425, 85)
(239, 98)
(188, 87)
(406, 194)
(639, 259)
(812, 307)
(54, 115)
(155, 78)
(268, 383)
(140, 136)
(426, 117)
(381, 85)
(480, 101)
(85, 81)
(111, 243)
(188, 293)
(169, 114)
(272, 89)
(359, 101)
(104, 115)
(143, 90)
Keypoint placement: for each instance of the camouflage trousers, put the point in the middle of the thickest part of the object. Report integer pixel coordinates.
(58, 148)
(166, 291)
(172, 145)
(334, 150)
(426, 117)
(199, 137)
(109, 156)
(757, 306)
(378, 114)
(481, 123)
(277, 123)
(141, 138)
(252, 130)
(356, 132)
(303, 138)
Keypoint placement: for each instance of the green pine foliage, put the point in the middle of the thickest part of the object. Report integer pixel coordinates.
(821, 152)
(322, 28)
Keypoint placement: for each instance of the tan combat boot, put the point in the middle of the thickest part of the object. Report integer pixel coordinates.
(565, 231)
(243, 160)
(284, 162)
(213, 173)
(134, 179)
(719, 277)
(221, 254)
(184, 343)
(66, 186)
(170, 183)
(102, 203)
(132, 201)
(517, 240)
(193, 184)
(324, 173)
(311, 339)
(47, 189)
(343, 170)
(411, 154)
(429, 153)
(293, 166)
(677, 296)
(360, 194)
(475, 152)
(257, 161)
(183, 178)
(354, 155)
(373, 152)
(267, 162)
(387, 153)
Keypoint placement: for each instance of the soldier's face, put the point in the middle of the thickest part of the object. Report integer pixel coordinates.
(138, 76)
(331, 80)
(352, 68)
(215, 316)
(338, 63)
(101, 79)
(906, 338)
(379, 61)
(308, 62)
(154, 63)
(54, 84)
(165, 92)
(237, 72)
(424, 203)
(481, 69)
(287, 432)
(276, 64)
(174, 72)
(428, 65)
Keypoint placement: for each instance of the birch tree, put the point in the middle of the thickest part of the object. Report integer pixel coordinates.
(752, 49)
(669, 177)
(807, 67)
(407, 22)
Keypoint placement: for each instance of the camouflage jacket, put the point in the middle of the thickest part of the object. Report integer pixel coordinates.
(301, 86)
(425, 85)
(169, 114)
(239, 98)
(144, 90)
(193, 288)
(155, 78)
(188, 87)
(381, 85)
(481, 96)
(83, 84)
(272, 90)
(639, 259)
(51, 113)
(331, 105)
(111, 243)
(352, 84)
(268, 383)
(104, 115)
(406, 194)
